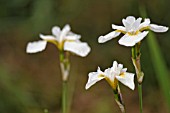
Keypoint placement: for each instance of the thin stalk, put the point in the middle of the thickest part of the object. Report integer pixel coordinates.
(140, 97)
(65, 70)
(119, 99)
(136, 62)
(64, 97)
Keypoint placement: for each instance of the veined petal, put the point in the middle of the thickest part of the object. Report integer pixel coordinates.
(56, 31)
(34, 47)
(131, 40)
(158, 28)
(145, 23)
(64, 32)
(127, 79)
(118, 27)
(80, 48)
(72, 36)
(94, 77)
(47, 37)
(103, 39)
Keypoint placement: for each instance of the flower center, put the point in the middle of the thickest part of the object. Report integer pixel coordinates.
(133, 33)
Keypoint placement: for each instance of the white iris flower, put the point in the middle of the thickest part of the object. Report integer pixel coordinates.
(64, 39)
(133, 30)
(112, 76)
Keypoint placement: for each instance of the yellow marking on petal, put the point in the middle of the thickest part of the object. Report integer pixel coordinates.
(144, 28)
(100, 76)
(112, 83)
(122, 74)
(124, 32)
(133, 33)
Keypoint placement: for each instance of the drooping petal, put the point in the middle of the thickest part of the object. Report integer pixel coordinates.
(131, 40)
(47, 37)
(158, 28)
(118, 27)
(80, 48)
(103, 39)
(145, 23)
(72, 36)
(127, 79)
(94, 77)
(66, 29)
(56, 31)
(34, 47)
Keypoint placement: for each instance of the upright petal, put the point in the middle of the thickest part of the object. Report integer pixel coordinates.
(47, 37)
(56, 31)
(103, 39)
(80, 48)
(145, 23)
(127, 79)
(130, 19)
(72, 36)
(136, 24)
(127, 25)
(158, 28)
(131, 40)
(121, 28)
(94, 77)
(34, 47)
(64, 32)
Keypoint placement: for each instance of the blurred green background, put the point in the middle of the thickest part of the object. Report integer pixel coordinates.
(30, 83)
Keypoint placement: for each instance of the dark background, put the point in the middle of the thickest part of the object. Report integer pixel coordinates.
(30, 83)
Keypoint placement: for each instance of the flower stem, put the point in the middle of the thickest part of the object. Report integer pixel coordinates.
(119, 99)
(65, 70)
(136, 62)
(64, 97)
(140, 97)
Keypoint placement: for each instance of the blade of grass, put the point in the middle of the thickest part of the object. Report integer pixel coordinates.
(158, 61)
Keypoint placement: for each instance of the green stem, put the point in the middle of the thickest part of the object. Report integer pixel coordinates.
(65, 70)
(140, 97)
(64, 97)
(119, 99)
(136, 62)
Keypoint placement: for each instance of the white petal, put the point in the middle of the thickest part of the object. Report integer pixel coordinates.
(47, 37)
(136, 24)
(56, 31)
(72, 36)
(127, 79)
(145, 23)
(64, 32)
(131, 40)
(128, 22)
(34, 47)
(123, 70)
(130, 19)
(115, 65)
(93, 78)
(103, 39)
(127, 25)
(118, 27)
(79, 48)
(157, 28)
